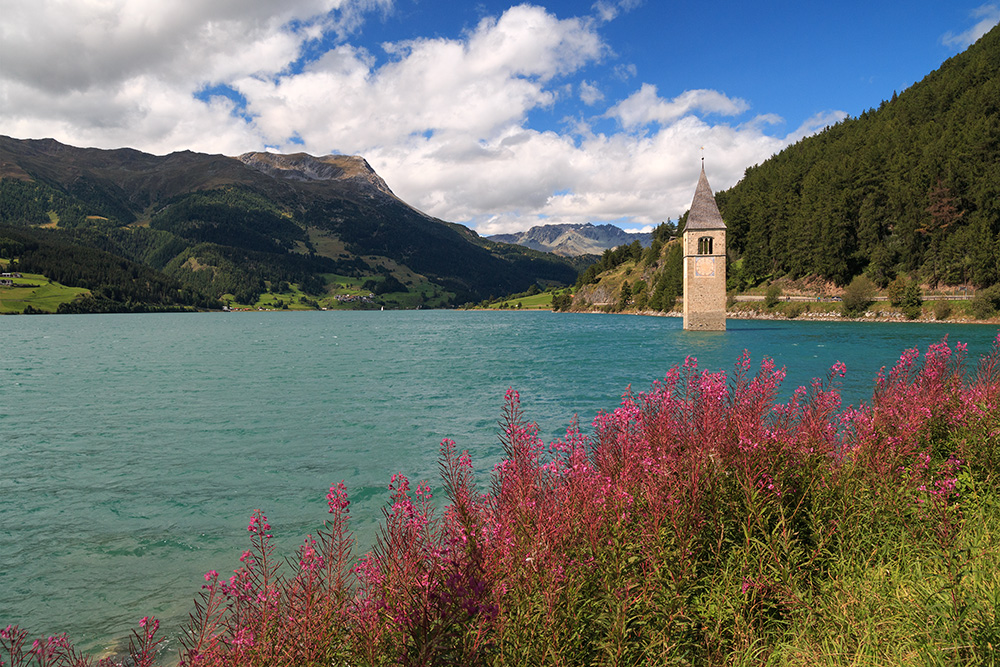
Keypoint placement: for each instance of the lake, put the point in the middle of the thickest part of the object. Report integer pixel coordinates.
(133, 448)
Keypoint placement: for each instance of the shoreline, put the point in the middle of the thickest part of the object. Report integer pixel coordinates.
(831, 316)
(821, 316)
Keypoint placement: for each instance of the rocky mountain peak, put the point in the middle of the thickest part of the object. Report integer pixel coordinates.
(305, 167)
(573, 239)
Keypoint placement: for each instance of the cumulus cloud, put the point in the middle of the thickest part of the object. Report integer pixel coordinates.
(114, 71)
(78, 45)
(545, 176)
(459, 89)
(988, 15)
(447, 121)
(590, 94)
(646, 106)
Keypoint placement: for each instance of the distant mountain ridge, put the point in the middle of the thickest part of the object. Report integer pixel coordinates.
(570, 240)
(239, 226)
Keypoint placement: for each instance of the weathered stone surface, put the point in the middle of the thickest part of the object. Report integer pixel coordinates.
(704, 263)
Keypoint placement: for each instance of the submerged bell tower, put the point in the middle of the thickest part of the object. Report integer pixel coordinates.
(704, 262)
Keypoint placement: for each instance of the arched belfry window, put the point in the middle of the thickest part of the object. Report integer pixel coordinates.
(705, 245)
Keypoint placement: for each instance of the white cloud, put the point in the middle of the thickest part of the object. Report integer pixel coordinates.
(645, 106)
(446, 121)
(816, 123)
(123, 72)
(544, 177)
(644, 229)
(608, 10)
(590, 94)
(625, 71)
(988, 15)
(473, 87)
(77, 45)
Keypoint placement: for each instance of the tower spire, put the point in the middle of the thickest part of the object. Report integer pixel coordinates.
(704, 212)
(704, 261)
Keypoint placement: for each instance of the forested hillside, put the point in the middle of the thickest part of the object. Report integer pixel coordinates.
(908, 192)
(320, 230)
(912, 186)
(633, 277)
(115, 284)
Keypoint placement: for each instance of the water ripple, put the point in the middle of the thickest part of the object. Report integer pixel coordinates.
(134, 448)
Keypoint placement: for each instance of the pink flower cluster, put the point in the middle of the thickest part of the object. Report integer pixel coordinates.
(685, 477)
(57, 651)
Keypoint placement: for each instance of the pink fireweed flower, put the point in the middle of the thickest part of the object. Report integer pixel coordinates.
(244, 637)
(336, 499)
(258, 524)
(151, 625)
(310, 560)
(211, 574)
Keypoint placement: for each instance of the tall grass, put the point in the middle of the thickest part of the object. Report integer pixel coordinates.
(703, 523)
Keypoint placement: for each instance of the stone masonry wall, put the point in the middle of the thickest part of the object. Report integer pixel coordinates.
(705, 282)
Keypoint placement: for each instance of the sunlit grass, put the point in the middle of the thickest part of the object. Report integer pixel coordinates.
(38, 292)
(542, 301)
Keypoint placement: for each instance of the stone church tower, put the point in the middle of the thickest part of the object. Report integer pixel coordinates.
(704, 262)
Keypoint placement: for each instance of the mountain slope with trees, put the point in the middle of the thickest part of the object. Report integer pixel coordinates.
(908, 193)
(237, 227)
(631, 277)
(911, 187)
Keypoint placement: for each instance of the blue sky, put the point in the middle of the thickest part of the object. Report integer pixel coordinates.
(496, 115)
(793, 59)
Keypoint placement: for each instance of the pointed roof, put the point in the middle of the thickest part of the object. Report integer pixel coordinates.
(704, 213)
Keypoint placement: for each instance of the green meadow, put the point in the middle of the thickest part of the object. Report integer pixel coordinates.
(525, 301)
(37, 292)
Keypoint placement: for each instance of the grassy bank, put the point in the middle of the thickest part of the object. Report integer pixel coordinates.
(703, 523)
(34, 291)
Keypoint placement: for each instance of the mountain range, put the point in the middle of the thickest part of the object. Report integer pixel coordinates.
(218, 227)
(570, 240)
(909, 189)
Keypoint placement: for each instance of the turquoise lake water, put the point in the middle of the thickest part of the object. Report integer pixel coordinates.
(133, 448)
